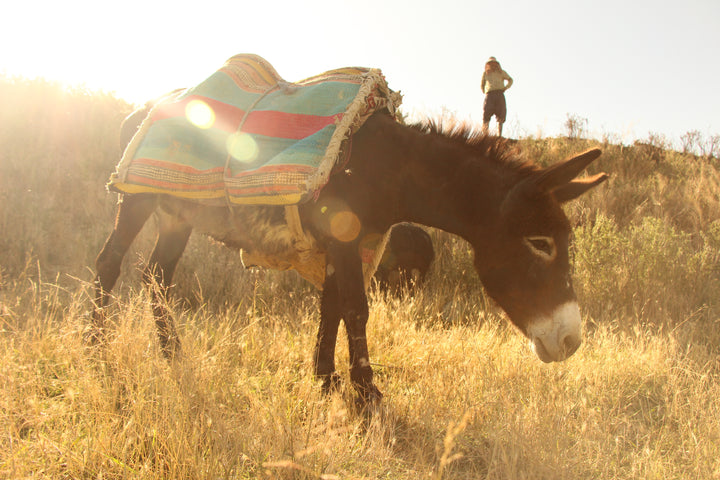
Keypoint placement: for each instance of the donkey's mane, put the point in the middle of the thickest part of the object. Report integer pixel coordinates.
(467, 135)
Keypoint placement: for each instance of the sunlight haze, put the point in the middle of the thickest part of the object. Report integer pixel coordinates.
(629, 68)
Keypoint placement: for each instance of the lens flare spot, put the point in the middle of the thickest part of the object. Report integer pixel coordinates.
(345, 226)
(200, 114)
(242, 147)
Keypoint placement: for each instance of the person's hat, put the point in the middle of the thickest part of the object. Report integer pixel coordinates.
(492, 59)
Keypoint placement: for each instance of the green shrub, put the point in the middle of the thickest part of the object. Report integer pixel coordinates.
(650, 271)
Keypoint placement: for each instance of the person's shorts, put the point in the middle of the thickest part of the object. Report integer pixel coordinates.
(494, 105)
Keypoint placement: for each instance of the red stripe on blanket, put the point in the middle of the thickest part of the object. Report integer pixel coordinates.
(263, 122)
(227, 117)
(286, 125)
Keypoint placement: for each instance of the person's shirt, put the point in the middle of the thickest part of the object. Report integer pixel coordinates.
(495, 80)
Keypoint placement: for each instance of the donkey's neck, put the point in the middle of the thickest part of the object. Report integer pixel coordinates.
(440, 181)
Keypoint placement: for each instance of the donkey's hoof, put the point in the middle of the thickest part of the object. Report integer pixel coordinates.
(171, 348)
(331, 383)
(369, 397)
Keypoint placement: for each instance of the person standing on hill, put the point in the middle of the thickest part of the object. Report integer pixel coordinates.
(493, 86)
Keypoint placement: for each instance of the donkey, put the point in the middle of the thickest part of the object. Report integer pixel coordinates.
(406, 260)
(455, 179)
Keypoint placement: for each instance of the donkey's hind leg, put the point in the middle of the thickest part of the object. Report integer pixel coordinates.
(133, 212)
(173, 235)
(330, 317)
(353, 306)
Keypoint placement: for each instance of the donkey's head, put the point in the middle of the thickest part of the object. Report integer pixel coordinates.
(525, 266)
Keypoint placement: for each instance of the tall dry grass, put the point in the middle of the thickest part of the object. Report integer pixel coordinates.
(464, 397)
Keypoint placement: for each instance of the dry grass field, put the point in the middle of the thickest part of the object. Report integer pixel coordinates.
(464, 396)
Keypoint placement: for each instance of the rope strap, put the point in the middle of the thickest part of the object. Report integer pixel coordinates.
(301, 242)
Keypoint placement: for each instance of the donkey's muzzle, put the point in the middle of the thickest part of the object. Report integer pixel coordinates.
(557, 336)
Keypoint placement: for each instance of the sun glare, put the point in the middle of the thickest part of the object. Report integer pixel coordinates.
(242, 147)
(200, 114)
(345, 226)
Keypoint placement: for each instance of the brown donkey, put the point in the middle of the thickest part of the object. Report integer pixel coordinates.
(459, 181)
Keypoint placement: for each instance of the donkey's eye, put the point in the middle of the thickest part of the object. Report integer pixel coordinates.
(543, 247)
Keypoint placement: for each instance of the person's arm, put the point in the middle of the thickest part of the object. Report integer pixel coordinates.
(509, 80)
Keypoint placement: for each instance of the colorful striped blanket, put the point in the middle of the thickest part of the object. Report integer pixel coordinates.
(246, 136)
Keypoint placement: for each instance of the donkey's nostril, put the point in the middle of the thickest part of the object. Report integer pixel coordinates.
(570, 344)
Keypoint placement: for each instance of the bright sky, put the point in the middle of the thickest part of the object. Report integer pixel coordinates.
(630, 67)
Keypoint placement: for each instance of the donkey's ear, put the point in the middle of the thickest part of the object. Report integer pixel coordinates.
(563, 173)
(575, 188)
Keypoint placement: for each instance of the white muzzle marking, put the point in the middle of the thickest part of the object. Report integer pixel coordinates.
(556, 337)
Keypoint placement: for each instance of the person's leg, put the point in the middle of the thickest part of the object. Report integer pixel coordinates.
(487, 114)
(501, 112)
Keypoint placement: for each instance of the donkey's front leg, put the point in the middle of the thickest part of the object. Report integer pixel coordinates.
(344, 261)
